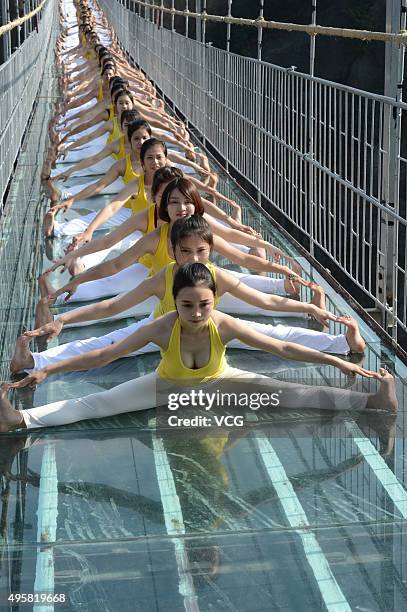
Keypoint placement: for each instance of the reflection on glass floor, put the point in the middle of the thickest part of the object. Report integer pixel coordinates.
(298, 510)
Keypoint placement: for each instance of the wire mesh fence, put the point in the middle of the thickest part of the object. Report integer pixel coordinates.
(329, 158)
(26, 96)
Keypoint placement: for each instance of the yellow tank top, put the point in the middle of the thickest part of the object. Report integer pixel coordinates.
(120, 154)
(130, 175)
(100, 94)
(140, 202)
(111, 112)
(171, 367)
(147, 259)
(151, 219)
(116, 133)
(167, 304)
(161, 258)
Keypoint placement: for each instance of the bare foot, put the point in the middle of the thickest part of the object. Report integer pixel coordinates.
(22, 358)
(289, 284)
(318, 296)
(49, 221)
(385, 398)
(9, 418)
(43, 314)
(353, 337)
(46, 170)
(53, 192)
(45, 286)
(76, 267)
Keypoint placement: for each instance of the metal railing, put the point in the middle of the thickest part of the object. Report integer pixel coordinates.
(331, 159)
(26, 101)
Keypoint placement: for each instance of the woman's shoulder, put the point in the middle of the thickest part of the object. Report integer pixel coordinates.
(226, 325)
(163, 327)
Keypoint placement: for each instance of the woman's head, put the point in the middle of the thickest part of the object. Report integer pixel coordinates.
(194, 294)
(123, 100)
(108, 71)
(117, 83)
(138, 132)
(191, 240)
(153, 155)
(180, 199)
(161, 178)
(127, 118)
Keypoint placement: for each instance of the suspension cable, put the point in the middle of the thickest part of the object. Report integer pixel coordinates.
(313, 30)
(20, 20)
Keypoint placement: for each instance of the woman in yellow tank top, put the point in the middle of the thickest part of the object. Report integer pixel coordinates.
(103, 110)
(123, 101)
(180, 199)
(146, 222)
(117, 149)
(192, 241)
(129, 169)
(192, 342)
(153, 155)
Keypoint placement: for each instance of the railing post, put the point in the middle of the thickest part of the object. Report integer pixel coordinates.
(310, 153)
(198, 25)
(259, 105)
(388, 243)
(227, 78)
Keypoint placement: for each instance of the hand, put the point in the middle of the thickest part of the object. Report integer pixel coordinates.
(55, 209)
(236, 213)
(82, 238)
(63, 262)
(246, 229)
(52, 330)
(293, 279)
(191, 155)
(63, 176)
(69, 288)
(351, 369)
(322, 316)
(32, 380)
(295, 266)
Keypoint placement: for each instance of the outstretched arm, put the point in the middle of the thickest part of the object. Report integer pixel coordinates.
(135, 223)
(289, 350)
(105, 308)
(249, 261)
(152, 332)
(147, 244)
(269, 301)
(107, 212)
(87, 162)
(250, 240)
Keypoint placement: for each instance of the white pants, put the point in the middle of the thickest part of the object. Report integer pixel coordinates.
(84, 151)
(73, 111)
(80, 224)
(140, 394)
(100, 167)
(76, 137)
(89, 261)
(112, 189)
(310, 338)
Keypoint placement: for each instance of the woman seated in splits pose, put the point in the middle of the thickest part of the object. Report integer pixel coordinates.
(192, 240)
(192, 342)
(153, 252)
(102, 161)
(153, 155)
(127, 168)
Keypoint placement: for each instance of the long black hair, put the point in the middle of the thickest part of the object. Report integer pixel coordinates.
(192, 275)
